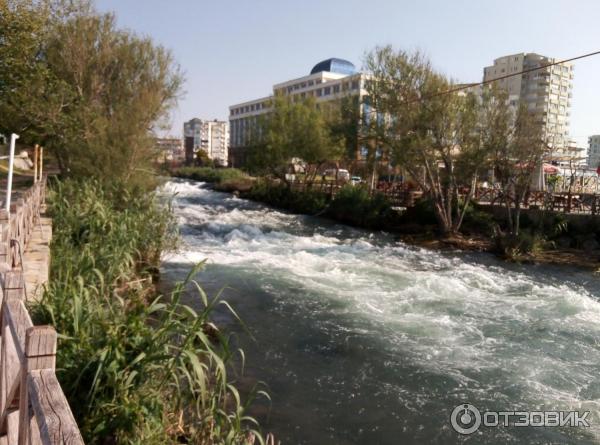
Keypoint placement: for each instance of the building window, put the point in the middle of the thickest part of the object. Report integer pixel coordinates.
(355, 84)
(336, 89)
(319, 92)
(326, 91)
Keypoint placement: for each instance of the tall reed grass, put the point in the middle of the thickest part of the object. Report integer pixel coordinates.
(137, 368)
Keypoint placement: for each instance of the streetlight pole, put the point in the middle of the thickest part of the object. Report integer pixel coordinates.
(11, 163)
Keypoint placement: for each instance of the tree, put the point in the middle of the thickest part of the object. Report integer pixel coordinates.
(433, 135)
(203, 159)
(293, 129)
(518, 154)
(91, 93)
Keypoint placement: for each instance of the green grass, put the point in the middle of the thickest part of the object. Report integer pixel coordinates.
(137, 368)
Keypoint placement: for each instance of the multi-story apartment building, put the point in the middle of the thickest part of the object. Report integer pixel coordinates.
(210, 136)
(546, 91)
(169, 148)
(593, 155)
(329, 80)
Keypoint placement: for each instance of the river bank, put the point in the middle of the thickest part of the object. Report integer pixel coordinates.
(408, 229)
(362, 338)
(135, 365)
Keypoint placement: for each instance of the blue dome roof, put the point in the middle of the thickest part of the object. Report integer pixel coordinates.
(334, 65)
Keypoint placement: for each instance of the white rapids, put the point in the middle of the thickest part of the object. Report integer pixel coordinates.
(406, 331)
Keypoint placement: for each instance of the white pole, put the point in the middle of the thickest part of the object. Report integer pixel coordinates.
(11, 162)
(35, 163)
(41, 162)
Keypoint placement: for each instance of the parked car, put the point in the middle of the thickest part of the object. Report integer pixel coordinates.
(342, 174)
(355, 180)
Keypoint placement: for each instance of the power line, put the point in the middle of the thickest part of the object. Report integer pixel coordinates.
(485, 82)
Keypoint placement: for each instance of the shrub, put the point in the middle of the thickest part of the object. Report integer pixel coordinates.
(353, 205)
(517, 247)
(479, 222)
(421, 213)
(209, 174)
(136, 368)
(310, 201)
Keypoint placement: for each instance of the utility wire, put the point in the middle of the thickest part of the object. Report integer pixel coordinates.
(529, 70)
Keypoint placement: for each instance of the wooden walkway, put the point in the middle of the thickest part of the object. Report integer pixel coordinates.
(33, 407)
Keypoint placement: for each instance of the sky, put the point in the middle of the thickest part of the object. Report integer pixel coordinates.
(232, 51)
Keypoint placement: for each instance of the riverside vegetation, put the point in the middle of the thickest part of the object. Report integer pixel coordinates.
(136, 367)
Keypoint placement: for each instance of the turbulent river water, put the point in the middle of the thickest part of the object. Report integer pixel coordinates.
(362, 339)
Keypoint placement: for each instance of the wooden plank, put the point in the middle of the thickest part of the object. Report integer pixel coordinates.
(11, 369)
(13, 285)
(40, 353)
(34, 429)
(13, 427)
(19, 322)
(51, 409)
(40, 347)
(13, 279)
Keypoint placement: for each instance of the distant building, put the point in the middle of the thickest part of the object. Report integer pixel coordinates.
(570, 155)
(210, 136)
(169, 148)
(593, 155)
(546, 91)
(329, 80)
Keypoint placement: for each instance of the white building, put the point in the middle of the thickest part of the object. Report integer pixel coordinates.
(546, 91)
(593, 155)
(329, 80)
(210, 136)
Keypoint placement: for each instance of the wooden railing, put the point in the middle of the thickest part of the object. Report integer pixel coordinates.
(563, 202)
(33, 407)
(16, 231)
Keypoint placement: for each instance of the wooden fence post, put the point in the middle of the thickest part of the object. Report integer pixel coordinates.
(40, 353)
(13, 285)
(4, 237)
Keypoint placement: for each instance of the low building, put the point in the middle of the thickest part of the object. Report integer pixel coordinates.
(210, 136)
(329, 80)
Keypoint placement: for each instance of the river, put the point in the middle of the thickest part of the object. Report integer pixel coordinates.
(362, 339)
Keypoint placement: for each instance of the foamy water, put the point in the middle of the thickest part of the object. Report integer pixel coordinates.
(366, 340)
